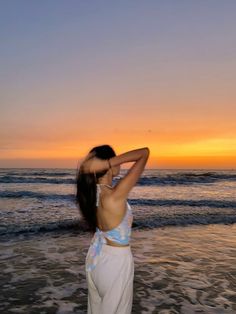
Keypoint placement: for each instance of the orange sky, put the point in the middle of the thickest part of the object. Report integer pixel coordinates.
(149, 75)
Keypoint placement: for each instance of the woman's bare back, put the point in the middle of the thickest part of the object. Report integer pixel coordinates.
(109, 213)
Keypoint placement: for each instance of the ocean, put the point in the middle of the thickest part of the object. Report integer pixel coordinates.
(183, 241)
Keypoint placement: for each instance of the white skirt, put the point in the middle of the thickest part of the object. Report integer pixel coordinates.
(110, 283)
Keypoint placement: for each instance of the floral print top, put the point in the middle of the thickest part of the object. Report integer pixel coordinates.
(121, 234)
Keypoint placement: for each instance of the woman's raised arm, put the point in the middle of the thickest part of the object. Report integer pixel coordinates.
(93, 164)
(140, 157)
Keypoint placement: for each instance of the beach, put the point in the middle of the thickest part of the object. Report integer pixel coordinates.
(147, 88)
(183, 241)
(177, 270)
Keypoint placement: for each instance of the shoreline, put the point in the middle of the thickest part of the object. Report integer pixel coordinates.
(179, 269)
(74, 229)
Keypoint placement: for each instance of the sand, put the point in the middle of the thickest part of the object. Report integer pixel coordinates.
(177, 270)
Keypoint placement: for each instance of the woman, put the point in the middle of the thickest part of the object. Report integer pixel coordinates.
(109, 260)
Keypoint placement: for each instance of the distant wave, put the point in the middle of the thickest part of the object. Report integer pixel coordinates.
(179, 178)
(183, 220)
(138, 201)
(33, 180)
(176, 202)
(43, 227)
(37, 195)
(38, 173)
(154, 221)
(186, 178)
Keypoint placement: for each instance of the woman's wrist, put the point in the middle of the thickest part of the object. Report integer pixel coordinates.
(98, 165)
(109, 163)
(95, 164)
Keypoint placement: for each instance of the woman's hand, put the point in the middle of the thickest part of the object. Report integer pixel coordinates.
(89, 156)
(93, 164)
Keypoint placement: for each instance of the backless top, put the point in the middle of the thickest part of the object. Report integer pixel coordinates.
(120, 234)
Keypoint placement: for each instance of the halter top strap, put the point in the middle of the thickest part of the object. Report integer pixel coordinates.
(99, 190)
(104, 184)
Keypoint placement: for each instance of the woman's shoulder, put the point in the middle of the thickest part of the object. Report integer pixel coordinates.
(109, 202)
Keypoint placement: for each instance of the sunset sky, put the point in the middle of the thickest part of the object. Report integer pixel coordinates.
(77, 74)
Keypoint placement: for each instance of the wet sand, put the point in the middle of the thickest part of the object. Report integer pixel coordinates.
(177, 270)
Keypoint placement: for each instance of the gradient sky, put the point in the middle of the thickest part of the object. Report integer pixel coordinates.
(75, 74)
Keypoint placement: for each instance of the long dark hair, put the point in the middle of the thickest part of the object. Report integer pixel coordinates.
(86, 188)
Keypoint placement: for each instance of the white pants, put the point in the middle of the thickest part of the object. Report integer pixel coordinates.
(110, 283)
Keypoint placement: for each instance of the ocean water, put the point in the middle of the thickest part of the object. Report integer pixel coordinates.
(183, 241)
(39, 200)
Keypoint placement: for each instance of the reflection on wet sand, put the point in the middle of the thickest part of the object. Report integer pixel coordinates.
(177, 270)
